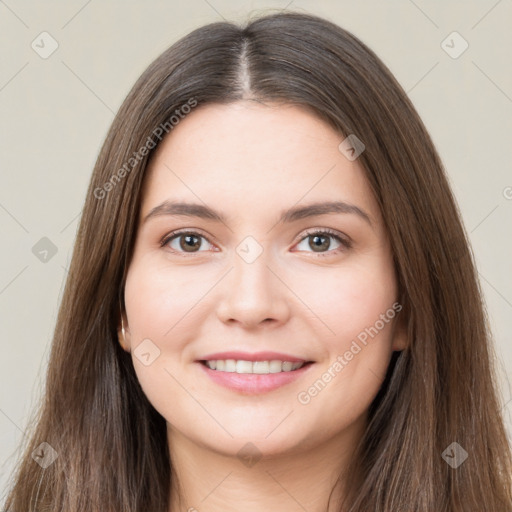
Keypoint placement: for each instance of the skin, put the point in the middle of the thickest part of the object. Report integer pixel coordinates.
(250, 162)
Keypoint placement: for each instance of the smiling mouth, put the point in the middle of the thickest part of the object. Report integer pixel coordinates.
(254, 367)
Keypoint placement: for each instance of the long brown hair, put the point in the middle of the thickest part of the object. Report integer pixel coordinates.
(111, 444)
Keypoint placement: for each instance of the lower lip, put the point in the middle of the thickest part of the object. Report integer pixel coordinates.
(254, 383)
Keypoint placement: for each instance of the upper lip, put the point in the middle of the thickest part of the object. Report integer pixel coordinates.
(256, 356)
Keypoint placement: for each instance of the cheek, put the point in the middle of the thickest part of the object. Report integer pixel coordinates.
(350, 299)
(161, 300)
(355, 306)
(162, 306)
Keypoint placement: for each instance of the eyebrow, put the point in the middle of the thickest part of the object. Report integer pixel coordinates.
(291, 215)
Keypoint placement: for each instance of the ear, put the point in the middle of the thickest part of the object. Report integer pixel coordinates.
(400, 339)
(123, 332)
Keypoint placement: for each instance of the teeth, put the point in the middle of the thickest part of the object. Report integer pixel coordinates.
(229, 366)
(275, 366)
(243, 367)
(259, 367)
(287, 366)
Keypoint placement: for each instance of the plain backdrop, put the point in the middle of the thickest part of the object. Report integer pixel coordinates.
(55, 109)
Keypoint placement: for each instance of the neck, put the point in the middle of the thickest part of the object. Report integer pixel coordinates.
(302, 479)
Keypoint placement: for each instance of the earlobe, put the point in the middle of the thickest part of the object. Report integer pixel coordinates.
(400, 341)
(122, 335)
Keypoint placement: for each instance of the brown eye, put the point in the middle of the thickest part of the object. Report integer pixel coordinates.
(187, 241)
(320, 242)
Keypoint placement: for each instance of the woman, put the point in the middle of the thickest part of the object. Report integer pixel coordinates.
(271, 302)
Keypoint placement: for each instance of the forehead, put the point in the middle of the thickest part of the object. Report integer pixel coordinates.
(245, 156)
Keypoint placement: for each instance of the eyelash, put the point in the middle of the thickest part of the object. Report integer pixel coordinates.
(345, 242)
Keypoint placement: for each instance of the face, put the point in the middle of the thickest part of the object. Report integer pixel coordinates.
(252, 273)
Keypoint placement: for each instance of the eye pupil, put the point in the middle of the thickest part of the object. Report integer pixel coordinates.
(320, 245)
(185, 239)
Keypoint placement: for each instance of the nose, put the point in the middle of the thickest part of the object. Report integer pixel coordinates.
(254, 294)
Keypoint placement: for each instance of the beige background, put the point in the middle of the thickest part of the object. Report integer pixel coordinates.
(55, 111)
